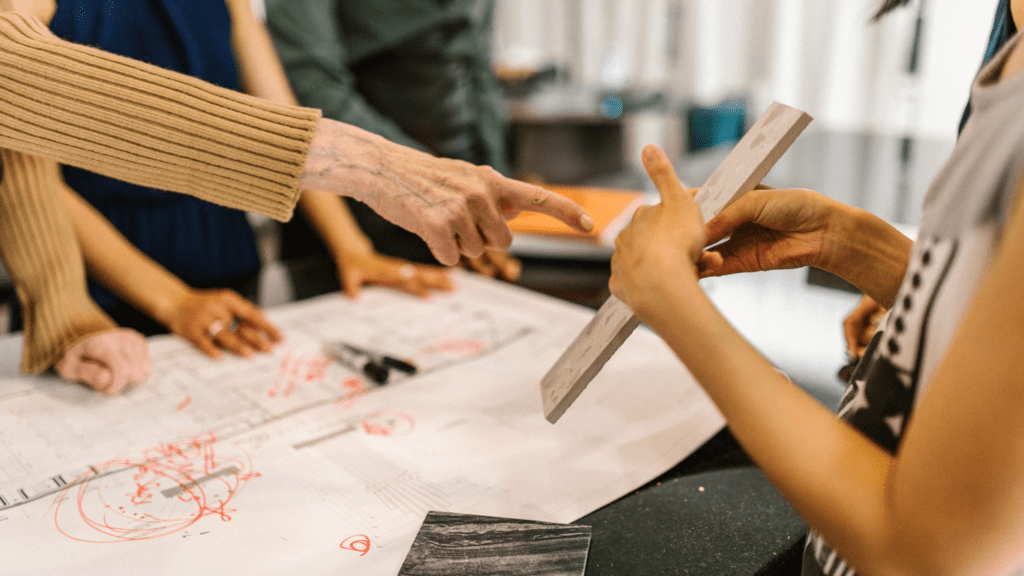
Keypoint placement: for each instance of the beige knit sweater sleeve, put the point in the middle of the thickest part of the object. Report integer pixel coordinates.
(38, 244)
(130, 121)
(145, 125)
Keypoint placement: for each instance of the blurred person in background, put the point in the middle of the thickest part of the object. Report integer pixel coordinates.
(417, 72)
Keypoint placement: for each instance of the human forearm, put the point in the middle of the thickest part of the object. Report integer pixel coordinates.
(456, 207)
(356, 259)
(260, 72)
(770, 229)
(122, 268)
(333, 222)
(948, 501)
(825, 468)
(44, 261)
(145, 125)
(187, 312)
(831, 474)
(869, 253)
(262, 76)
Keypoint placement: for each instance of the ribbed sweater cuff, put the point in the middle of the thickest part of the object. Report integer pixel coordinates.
(146, 125)
(38, 244)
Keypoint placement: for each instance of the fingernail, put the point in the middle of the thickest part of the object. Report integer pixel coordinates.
(650, 152)
(587, 222)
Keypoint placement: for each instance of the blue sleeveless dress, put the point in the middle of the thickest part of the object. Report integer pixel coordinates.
(204, 244)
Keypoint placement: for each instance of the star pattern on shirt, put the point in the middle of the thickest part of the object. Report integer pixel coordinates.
(856, 399)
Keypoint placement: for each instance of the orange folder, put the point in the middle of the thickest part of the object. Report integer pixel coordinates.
(609, 208)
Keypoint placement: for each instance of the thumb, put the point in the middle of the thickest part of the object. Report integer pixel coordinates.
(660, 169)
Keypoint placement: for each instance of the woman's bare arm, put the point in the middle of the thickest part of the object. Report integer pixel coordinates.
(948, 503)
(187, 312)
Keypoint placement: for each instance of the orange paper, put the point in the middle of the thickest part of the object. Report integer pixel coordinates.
(606, 206)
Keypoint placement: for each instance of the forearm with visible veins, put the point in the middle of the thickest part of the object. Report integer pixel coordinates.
(362, 153)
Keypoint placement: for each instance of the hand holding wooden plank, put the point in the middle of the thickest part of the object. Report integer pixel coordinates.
(744, 167)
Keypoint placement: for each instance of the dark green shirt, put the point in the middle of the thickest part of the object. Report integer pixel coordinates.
(393, 66)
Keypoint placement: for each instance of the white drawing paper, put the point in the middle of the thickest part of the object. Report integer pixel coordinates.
(289, 463)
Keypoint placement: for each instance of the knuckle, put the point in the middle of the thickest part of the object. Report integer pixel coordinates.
(477, 196)
(437, 219)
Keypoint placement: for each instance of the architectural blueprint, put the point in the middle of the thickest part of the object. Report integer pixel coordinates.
(291, 463)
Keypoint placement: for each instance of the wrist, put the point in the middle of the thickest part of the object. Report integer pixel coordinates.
(869, 253)
(164, 304)
(342, 159)
(666, 303)
(663, 285)
(842, 238)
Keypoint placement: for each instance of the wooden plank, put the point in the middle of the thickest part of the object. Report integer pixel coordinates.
(744, 167)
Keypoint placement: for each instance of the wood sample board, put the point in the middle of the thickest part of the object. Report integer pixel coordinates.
(744, 167)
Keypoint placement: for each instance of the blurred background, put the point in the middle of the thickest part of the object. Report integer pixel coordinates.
(823, 57)
(590, 82)
(586, 84)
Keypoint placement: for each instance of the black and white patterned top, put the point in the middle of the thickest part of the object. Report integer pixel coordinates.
(964, 214)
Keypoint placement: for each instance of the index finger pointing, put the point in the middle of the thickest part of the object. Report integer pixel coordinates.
(520, 196)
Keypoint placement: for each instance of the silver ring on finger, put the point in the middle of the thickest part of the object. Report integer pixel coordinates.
(215, 328)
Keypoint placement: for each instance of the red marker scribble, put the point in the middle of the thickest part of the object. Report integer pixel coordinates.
(353, 388)
(297, 369)
(354, 385)
(162, 490)
(181, 405)
(358, 543)
(459, 348)
(388, 423)
(142, 494)
(466, 347)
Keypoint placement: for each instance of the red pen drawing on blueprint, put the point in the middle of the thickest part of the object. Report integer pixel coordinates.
(160, 491)
(297, 369)
(388, 423)
(358, 543)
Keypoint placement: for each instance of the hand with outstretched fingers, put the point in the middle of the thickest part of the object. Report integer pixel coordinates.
(770, 229)
(357, 268)
(218, 319)
(457, 208)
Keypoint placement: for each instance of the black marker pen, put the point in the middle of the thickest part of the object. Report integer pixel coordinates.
(397, 364)
(358, 360)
